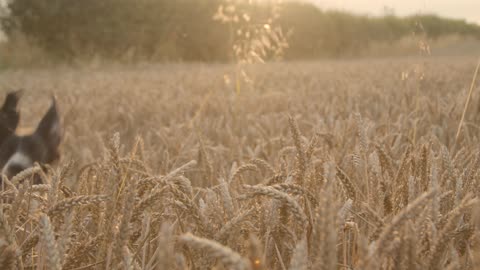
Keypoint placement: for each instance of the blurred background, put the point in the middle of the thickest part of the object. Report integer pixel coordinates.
(39, 32)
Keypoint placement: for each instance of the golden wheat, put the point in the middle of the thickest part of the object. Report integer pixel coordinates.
(315, 166)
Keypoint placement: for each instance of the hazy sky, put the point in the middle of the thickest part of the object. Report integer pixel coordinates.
(460, 9)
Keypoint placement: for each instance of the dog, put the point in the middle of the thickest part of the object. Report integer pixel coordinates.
(20, 152)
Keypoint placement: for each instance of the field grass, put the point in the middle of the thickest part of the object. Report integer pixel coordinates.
(321, 165)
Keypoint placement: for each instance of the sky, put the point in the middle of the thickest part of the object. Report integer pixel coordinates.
(457, 9)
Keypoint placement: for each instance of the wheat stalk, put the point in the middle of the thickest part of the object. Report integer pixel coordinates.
(227, 256)
(47, 236)
(292, 205)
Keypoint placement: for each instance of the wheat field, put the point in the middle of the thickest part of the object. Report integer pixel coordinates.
(309, 165)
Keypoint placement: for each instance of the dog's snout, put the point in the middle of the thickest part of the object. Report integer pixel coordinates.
(13, 169)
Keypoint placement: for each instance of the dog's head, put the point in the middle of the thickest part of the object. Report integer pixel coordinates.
(18, 153)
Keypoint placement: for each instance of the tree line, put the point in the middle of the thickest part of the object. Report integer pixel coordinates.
(185, 30)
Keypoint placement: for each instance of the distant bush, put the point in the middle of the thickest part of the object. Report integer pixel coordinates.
(185, 30)
(318, 33)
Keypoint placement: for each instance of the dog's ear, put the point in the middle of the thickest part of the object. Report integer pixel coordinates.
(11, 101)
(50, 132)
(9, 115)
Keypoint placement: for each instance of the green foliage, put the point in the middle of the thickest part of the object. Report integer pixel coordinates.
(185, 29)
(163, 29)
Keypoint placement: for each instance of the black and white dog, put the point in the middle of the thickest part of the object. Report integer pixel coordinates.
(20, 152)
